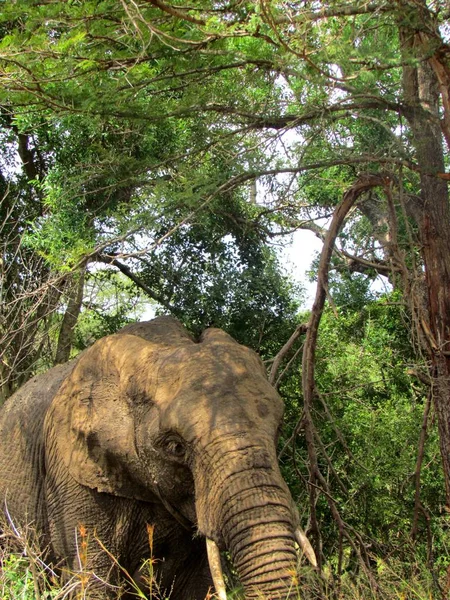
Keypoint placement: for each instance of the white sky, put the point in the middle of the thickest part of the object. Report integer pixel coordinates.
(297, 259)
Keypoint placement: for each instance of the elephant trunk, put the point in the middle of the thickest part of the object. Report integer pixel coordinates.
(251, 514)
(258, 531)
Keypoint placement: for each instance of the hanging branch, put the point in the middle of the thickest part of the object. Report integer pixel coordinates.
(364, 183)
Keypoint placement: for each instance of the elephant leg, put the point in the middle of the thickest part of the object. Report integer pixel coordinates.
(91, 532)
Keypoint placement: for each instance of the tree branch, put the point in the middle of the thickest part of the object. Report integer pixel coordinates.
(111, 260)
(361, 265)
(420, 455)
(71, 314)
(179, 14)
(365, 182)
(339, 11)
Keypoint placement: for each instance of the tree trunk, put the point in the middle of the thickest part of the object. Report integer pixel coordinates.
(66, 332)
(422, 94)
(436, 252)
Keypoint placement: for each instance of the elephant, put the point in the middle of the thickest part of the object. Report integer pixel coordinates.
(150, 427)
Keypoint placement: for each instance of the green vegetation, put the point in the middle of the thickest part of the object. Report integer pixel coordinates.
(153, 157)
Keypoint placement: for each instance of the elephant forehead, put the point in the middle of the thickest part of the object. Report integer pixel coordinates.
(210, 369)
(237, 357)
(218, 389)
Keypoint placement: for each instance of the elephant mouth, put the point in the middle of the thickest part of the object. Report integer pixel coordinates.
(175, 512)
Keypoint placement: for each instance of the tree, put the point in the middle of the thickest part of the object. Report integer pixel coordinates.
(172, 110)
(110, 192)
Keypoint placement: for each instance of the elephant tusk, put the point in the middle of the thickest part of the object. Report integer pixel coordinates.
(305, 546)
(216, 568)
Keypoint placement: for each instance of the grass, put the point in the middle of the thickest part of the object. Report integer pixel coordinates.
(24, 575)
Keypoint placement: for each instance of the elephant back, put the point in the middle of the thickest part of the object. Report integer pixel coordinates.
(22, 465)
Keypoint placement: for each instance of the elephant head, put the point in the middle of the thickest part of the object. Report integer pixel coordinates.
(152, 415)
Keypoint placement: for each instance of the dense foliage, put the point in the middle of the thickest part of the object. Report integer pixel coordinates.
(369, 414)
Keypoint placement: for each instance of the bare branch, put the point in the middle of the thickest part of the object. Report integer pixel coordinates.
(299, 330)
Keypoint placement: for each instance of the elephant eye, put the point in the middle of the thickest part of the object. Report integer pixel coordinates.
(175, 447)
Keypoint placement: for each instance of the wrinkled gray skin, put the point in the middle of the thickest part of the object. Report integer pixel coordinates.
(148, 426)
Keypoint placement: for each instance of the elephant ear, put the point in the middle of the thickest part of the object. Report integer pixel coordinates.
(90, 425)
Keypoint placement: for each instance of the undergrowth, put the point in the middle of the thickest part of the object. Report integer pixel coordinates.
(25, 575)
